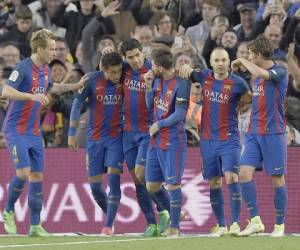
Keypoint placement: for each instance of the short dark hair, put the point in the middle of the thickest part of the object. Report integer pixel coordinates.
(261, 45)
(111, 59)
(130, 44)
(163, 57)
(23, 12)
(57, 62)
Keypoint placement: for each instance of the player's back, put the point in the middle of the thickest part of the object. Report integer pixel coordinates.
(23, 117)
(137, 116)
(267, 116)
(220, 100)
(105, 103)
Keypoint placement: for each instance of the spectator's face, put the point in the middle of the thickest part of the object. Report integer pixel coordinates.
(247, 18)
(113, 73)
(58, 73)
(86, 6)
(52, 6)
(145, 36)
(105, 43)
(23, 25)
(48, 54)
(157, 70)
(229, 39)
(11, 55)
(61, 51)
(135, 58)
(219, 60)
(183, 59)
(242, 51)
(273, 33)
(209, 12)
(276, 19)
(165, 26)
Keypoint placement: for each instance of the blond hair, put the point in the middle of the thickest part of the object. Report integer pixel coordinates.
(40, 38)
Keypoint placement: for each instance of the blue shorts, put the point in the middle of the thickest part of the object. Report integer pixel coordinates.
(269, 149)
(165, 165)
(26, 151)
(219, 157)
(135, 147)
(104, 153)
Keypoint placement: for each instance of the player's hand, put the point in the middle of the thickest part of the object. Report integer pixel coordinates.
(107, 50)
(111, 9)
(148, 77)
(83, 81)
(153, 130)
(185, 71)
(72, 143)
(41, 98)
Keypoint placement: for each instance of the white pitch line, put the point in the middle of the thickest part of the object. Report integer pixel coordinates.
(93, 242)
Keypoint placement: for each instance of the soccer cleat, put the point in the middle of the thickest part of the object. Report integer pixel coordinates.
(171, 232)
(152, 230)
(9, 222)
(254, 226)
(234, 229)
(164, 220)
(218, 231)
(278, 231)
(107, 231)
(38, 231)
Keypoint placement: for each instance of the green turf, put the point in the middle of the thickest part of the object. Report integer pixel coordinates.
(197, 243)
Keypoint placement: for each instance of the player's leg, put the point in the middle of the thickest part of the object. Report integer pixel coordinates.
(212, 171)
(275, 161)
(172, 162)
(95, 168)
(251, 158)
(114, 160)
(19, 155)
(137, 169)
(154, 178)
(161, 197)
(230, 154)
(35, 196)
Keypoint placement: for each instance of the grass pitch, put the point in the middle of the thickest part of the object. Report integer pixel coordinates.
(186, 242)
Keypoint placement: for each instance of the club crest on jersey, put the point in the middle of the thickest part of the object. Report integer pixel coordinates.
(169, 93)
(161, 104)
(109, 99)
(14, 76)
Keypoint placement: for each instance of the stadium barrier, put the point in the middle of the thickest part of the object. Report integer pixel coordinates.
(69, 206)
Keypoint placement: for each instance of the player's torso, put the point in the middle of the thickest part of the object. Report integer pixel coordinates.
(23, 117)
(105, 109)
(137, 116)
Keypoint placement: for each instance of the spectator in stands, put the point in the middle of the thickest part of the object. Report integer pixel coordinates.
(63, 51)
(229, 41)
(293, 135)
(20, 33)
(163, 25)
(144, 34)
(247, 18)
(292, 111)
(11, 54)
(200, 32)
(274, 34)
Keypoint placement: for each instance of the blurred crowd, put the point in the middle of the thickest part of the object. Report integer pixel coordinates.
(191, 28)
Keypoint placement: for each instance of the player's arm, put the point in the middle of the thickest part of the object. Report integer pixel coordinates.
(60, 88)
(13, 94)
(149, 77)
(75, 116)
(188, 73)
(251, 67)
(181, 107)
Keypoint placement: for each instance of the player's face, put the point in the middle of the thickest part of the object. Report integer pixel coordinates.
(49, 53)
(219, 60)
(254, 58)
(157, 70)
(135, 58)
(113, 73)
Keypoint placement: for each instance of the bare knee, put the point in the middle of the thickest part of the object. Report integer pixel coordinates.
(231, 177)
(95, 179)
(246, 174)
(23, 173)
(153, 187)
(35, 177)
(278, 181)
(215, 182)
(140, 174)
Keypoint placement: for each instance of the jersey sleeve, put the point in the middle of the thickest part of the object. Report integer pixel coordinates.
(16, 77)
(199, 76)
(276, 74)
(183, 94)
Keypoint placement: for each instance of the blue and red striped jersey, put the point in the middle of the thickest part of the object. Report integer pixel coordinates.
(105, 101)
(23, 117)
(137, 117)
(167, 96)
(267, 116)
(220, 100)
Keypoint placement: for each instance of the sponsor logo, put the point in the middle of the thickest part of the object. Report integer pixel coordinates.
(38, 90)
(110, 99)
(215, 96)
(135, 85)
(161, 104)
(258, 90)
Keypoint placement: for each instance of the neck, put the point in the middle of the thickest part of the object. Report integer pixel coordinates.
(36, 60)
(267, 64)
(221, 76)
(168, 74)
(207, 24)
